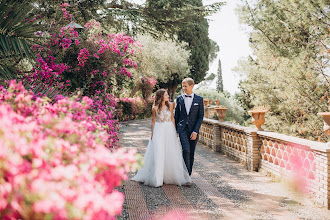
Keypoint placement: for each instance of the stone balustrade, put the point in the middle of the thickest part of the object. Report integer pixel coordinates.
(274, 154)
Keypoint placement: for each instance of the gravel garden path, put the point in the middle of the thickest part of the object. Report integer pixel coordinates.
(221, 189)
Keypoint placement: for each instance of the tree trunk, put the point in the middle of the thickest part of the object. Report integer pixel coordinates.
(171, 91)
(135, 89)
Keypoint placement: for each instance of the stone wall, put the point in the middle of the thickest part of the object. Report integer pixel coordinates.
(274, 154)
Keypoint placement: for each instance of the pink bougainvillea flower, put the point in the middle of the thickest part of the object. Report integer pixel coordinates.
(55, 158)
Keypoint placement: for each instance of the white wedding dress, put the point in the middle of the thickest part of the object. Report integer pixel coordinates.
(163, 162)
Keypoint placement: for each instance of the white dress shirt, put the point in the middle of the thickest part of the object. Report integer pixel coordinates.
(188, 101)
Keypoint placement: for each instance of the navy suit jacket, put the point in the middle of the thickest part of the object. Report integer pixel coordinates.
(195, 117)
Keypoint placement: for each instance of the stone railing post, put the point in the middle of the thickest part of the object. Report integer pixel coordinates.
(210, 135)
(216, 142)
(327, 170)
(253, 150)
(322, 177)
(323, 170)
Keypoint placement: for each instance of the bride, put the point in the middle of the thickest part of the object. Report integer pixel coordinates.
(163, 159)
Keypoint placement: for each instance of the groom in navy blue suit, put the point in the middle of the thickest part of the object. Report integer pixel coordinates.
(189, 113)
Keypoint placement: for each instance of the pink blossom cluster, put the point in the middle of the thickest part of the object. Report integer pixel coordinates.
(129, 62)
(66, 37)
(104, 109)
(125, 72)
(83, 57)
(117, 43)
(120, 44)
(53, 160)
(116, 47)
(66, 15)
(48, 72)
(151, 81)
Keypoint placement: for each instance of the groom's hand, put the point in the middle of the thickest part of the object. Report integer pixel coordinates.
(193, 136)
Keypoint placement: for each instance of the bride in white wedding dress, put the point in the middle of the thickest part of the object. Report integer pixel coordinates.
(163, 161)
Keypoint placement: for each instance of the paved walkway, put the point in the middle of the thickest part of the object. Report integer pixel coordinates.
(221, 189)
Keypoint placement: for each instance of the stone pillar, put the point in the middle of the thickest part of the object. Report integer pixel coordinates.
(216, 142)
(253, 150)
(322, 177)
(327, 180)
(201, 137)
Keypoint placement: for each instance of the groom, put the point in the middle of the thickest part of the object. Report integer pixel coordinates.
(189, 113)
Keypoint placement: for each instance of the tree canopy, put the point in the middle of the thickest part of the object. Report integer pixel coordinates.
(289, 69)
(166, 60)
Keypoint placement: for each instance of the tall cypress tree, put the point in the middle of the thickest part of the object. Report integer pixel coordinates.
(190, 26)
(196, 34)
(219, 79)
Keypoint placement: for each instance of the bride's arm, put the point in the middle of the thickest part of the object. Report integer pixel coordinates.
(153, 120)
(172, 115)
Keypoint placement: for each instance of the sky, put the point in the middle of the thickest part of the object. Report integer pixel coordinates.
(232, 38)
(233, 41)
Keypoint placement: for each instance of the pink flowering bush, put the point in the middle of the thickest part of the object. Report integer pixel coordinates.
(90, 59)
(82, 57)
(66, 15)
(133, 108)
(95, 63)
(104, 113)
(54, 163)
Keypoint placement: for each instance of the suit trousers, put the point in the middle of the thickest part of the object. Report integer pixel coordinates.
(188, 148)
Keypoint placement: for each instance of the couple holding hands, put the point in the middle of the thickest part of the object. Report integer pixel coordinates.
(166, 161)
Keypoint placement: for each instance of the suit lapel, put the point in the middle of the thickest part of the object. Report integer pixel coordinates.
(184, 105)
(192, 104)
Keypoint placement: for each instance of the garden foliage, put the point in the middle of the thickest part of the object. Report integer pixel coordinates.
(289, 69)
(163, 59)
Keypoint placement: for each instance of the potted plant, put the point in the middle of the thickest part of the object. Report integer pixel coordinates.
(258, 116)
(206, 102)
(206, 111)
(221, 112)
(326, 119)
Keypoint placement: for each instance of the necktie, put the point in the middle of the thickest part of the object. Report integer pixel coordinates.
(188, 96)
